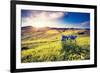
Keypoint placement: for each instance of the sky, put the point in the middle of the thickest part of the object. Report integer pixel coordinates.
(54, 19)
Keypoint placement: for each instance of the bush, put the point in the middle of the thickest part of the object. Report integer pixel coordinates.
(74, 51)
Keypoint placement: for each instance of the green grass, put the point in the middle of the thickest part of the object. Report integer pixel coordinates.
(53, 49)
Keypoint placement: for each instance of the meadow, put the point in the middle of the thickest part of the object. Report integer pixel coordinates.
(45, 45)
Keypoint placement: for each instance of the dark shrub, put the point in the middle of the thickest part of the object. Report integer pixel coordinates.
(24, 48)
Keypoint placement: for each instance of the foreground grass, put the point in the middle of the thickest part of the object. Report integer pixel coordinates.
(56, 50)
(49, 52)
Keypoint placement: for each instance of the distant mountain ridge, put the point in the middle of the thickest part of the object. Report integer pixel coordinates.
(48, 28)
(27, 27)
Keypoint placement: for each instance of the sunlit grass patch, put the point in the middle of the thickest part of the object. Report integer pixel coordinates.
(83, 40)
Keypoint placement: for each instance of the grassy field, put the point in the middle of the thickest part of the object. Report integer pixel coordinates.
(46, 45)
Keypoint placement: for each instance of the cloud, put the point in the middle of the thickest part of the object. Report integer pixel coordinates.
(55, 15)
(46, 14)
(85, 24)
(42, 18)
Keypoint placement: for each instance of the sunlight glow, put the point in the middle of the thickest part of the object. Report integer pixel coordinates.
(41, 22)
(42, 19)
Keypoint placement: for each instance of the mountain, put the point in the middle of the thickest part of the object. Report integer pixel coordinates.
(44, 32)
(29, 29)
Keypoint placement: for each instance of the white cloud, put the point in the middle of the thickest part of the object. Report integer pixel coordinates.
(85, 23)
(42, 18)
(56, 15)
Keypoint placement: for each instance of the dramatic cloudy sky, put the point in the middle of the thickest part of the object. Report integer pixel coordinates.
(55, 19)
